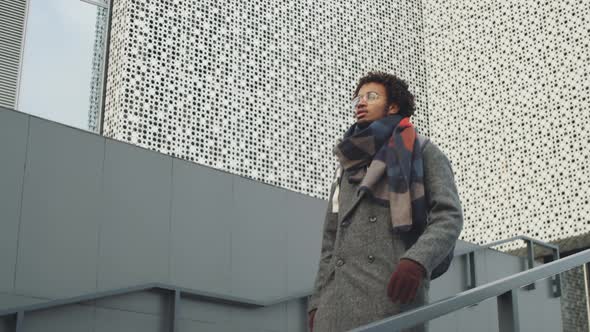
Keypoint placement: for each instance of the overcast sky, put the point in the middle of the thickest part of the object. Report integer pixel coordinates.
(57, 61)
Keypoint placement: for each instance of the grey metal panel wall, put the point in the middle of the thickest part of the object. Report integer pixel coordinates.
(13, 144)
(260, 319)
(8, 300)
(152, 302)
(108, 320)
(99, 214)
(127, 215)
(201, 247)
(71, 318)
(12, 29)
(259, 234)
(58, 238)
(195, 313)
(303, 240)
(135, 229)
(454, 281)
(296, 316)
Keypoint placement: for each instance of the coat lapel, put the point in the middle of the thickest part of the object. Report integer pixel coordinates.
(352, 205)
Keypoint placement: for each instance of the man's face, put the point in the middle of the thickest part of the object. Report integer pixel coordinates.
(372, 104)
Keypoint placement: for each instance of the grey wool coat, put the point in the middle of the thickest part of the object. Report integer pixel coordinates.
(360, 252)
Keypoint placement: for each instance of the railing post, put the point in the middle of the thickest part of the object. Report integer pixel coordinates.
(557, 278)
(472, 279)
(508, 316)
(20, 320)
(531, 261)
(174, 309)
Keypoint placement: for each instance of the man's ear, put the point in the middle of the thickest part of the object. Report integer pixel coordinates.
(393, 109)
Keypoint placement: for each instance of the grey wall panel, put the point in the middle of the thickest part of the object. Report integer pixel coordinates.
(484, 316)
(135, 230)
(148, 302)
(108, 320)
(204, 311)
(446, 323)
(296, 320)
(549, 308)
(71, 318)
(535, 308)
(259, 319)
(494, 259)
(13, 143)
(490, 265)
(259, 235)
(58, 234)
(304, 219)
(452, 282)
(186, 325)
(201, 227)
(12, 300)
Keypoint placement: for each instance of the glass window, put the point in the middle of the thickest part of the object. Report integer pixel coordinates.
(63, 59)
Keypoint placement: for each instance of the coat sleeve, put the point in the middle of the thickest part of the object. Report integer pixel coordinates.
(445, 214)
(328, 238)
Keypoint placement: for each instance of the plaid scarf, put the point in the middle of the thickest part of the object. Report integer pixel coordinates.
(365, 157)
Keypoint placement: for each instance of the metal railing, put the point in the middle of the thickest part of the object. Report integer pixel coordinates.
(505, 290)
(175, 294)
(530, 243)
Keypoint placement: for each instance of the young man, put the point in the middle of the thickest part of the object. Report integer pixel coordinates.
(393, 214)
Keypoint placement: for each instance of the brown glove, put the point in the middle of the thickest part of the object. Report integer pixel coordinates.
(311, 316)
(405, 281)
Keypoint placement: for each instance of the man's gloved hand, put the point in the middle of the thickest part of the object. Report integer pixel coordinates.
(310, 317)
(405, 281)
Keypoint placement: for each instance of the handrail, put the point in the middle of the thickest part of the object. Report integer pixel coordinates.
(530, 242)
(518, 237)
(175, 292)
(499, 288)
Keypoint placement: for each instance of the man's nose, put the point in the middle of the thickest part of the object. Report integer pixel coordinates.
(362, 102)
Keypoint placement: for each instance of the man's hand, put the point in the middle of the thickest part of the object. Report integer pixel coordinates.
(310, 317)
(405, 281)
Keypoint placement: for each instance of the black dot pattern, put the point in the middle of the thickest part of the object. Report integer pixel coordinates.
(256, 88)
(508, 90)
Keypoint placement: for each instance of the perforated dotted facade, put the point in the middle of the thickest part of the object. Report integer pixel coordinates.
(261, 89)
(255, 88)
(509, 92)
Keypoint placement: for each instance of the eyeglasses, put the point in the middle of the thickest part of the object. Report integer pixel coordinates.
(370, 98)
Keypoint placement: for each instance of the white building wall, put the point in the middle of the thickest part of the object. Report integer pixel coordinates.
(508, 92)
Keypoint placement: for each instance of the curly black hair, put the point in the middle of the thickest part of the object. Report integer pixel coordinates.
(397, 91)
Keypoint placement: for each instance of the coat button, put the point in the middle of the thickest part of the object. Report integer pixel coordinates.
(345, 223)
(372, 219)
(340, 262)
(371, 258)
